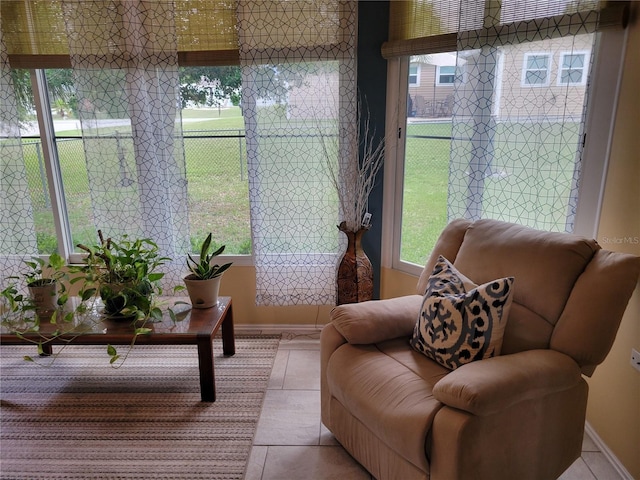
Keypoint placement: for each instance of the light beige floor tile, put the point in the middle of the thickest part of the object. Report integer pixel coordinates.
(588, 445)
(326, 437)
(577, 471)
(289, 417)
(276, 380)
(310, 341)
(600, 466)
(317, 463)
(303, 370)
(255, 465)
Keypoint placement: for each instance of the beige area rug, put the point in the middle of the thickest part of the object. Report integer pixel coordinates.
(82, 419)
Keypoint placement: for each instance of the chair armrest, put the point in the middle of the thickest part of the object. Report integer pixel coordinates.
(488, 386)
(377, 320)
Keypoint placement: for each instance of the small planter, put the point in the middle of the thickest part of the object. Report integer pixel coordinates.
(44, 295)
(203, 293)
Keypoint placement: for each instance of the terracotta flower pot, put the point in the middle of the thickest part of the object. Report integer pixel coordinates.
(203, 293)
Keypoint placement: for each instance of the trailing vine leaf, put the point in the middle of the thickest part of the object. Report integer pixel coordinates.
(156, 313)
(27, 358)
(142, 331)
(111, 350)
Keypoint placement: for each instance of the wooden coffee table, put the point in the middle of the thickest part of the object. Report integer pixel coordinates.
(194, 327)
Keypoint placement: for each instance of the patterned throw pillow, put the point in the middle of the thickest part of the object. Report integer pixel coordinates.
(460, 322)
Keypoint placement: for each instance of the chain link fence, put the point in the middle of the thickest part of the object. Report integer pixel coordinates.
(216, 171)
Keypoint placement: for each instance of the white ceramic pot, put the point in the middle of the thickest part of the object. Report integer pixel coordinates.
(44, 296)
(203, 293)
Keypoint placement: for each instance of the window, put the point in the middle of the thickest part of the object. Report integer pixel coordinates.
(508, 152)
(214, 145)
(535, 70)
(445, 75)
(573, 68)
(414, 75)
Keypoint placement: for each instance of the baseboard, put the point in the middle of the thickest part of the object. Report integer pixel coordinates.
(606, 451)
(273, 329)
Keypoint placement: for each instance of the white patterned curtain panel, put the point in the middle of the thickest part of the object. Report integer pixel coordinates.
(17, 231)
(125, 66)
(518, 112)
(299, 95)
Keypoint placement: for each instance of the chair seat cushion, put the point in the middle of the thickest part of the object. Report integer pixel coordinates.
(388, 387)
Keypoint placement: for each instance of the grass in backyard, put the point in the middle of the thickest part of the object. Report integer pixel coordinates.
(218, 185)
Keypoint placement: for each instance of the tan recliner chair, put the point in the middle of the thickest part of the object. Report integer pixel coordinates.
(519, 415)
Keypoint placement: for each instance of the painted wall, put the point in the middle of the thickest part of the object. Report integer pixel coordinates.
(614, 399)
(240, 283)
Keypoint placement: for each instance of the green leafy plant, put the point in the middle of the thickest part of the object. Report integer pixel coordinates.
(204, 269)
(44, 272)
(124, 274)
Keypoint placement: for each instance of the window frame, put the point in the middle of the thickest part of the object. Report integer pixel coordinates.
(607, 56)
(439, 74)
(525, 70)
(416, 75)
(53, 172)
(583, 77)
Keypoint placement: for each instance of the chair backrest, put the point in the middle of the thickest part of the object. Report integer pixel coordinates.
(569, 294)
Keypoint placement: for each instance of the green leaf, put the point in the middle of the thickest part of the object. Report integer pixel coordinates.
(28, 358)
(154, 277)
(111, 350)
(142, 331)
(205, 246)
(114, 359)
(156, 313)
(56, 261)
(88, 293)
(172, 315)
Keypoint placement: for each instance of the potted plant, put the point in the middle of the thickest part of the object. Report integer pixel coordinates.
(203, 283)
(124, 275)
(43, 282)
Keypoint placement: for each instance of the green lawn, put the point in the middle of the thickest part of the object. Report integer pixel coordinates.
(531, 179)
(218, 186)
(424, 213)
(216, 175)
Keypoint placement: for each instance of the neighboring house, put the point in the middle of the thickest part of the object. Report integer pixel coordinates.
(532, 77)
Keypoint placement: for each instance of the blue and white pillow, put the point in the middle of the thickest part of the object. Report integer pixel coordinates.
(460, 322)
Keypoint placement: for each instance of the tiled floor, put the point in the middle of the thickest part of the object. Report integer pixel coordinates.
(292, 444)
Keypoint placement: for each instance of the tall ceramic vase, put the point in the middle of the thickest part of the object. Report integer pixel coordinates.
(355, 273)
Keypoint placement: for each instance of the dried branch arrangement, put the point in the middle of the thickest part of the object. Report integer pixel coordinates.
(354, 180)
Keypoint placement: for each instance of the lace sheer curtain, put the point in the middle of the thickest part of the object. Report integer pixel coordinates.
(125, 66)
(299, 94)
(518, 112)
(17, 231)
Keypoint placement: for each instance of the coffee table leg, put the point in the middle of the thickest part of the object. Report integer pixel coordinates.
(228, 337)
(205, 363)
